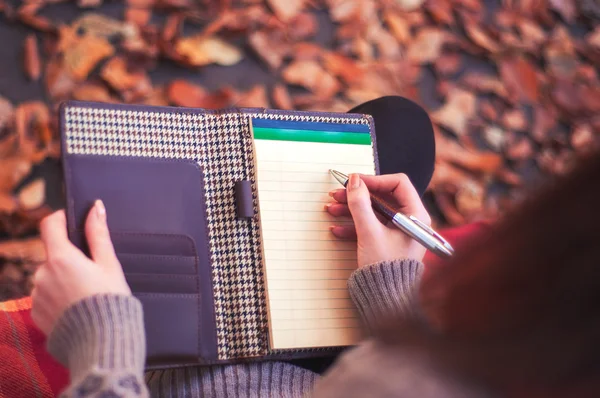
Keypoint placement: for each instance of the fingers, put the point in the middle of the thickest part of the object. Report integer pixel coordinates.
(339, 195)
(400, 187)
(53, 230)
(98, 236)
(337, 209)
(344, 231)
(359, 203)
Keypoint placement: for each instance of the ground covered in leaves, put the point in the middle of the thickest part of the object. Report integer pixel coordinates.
(512, 87)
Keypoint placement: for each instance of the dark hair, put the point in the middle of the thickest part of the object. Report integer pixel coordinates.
(521, 303)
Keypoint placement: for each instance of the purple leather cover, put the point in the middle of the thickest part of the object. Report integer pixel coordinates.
(158, 226)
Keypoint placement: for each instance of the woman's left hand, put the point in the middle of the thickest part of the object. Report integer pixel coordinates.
(68, 275)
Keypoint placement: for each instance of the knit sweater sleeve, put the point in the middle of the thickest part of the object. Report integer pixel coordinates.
(385, 289)
(101, 340)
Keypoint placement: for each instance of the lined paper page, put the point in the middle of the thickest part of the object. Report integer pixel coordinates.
(306, 267)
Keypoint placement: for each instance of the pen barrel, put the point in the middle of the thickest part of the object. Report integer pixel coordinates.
(383, 208)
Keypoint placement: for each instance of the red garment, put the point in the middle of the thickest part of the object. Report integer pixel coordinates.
(26, 368)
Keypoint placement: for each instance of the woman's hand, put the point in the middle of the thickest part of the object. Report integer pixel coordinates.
(68, 275)
(376, 241)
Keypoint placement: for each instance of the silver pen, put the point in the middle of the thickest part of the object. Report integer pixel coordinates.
(408, 224)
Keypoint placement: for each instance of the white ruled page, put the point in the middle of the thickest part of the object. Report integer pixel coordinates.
(306, 267)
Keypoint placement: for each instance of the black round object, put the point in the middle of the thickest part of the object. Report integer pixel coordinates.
(405, 139)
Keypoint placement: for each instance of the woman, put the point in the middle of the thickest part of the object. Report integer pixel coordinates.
(94, 324)
(514, 315)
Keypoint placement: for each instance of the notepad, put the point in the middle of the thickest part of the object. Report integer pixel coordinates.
(306, 267)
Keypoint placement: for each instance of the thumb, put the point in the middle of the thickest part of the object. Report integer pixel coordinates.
(359, 203)
(98, 237)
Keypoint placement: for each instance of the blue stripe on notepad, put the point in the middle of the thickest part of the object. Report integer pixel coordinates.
(289, 125)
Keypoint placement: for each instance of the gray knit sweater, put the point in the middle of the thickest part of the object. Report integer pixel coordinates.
(101, 340)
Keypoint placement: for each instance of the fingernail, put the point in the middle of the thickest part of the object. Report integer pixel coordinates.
(100, 210)
(327, 206)
(331, 193)
(354, 181)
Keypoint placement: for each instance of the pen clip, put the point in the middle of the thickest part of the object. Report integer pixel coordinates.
(430, 231)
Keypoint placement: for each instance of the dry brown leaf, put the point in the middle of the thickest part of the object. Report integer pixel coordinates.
(495, 137)
(33, 66)
(256, 97)
(520, 78)
(445, 201)
(281, 97)
(345, 68)
(426, 46)
(132, 85)
(555, 162)
(22, 222)
(32, 195)
(583, 139)
(587, 74)
(270, 48)
(103, 27)
(31, 249)
(362, 49)
(509, 177)
(470, 200)
(515, 120)
(544, 120)
(183, 93)
(476, 33)
(312, 76)
(244, 20)
(532, 34)
(449, 63)
(387, 46)
(559, 54)
(202, 50)
(488, 111)
(8, 145)
(344, 10)
(286, 10)
(473, 5)
(82, 53)
(593, 38)
(519, 150)
(457, 111)
(32, 124)
(92, 91)
(158, 97)
(566, 8)
(13, 170)
(303, 26)
(448, 150)
(138, 16)
(8, 204)
(409, 5)
(37, 22)
(6, 113)
(306, 51)
(440, 11)
(89, 3)
(575, 100)
(398, 25)
(59, 81)
(172, 27)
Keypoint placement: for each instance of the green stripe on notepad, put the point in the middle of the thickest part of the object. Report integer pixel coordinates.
(335, 137)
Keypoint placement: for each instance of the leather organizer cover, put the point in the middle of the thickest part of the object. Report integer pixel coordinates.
(167, 177)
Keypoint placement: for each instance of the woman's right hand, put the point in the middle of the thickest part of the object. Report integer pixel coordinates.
(377, 241)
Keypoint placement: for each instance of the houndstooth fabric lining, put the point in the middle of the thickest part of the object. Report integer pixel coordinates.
(222, 145)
